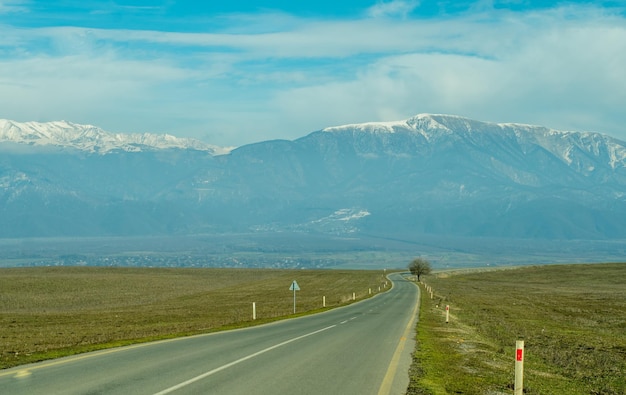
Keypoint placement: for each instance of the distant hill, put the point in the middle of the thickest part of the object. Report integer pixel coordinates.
(431, 174)
(93, 139)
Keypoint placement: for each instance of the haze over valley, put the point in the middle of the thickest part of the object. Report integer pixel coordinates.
(460, 191)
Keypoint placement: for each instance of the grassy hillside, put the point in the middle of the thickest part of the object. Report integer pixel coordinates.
(571, 317)
(50, 312)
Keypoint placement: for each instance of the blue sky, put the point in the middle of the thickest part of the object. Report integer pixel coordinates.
(238, 72)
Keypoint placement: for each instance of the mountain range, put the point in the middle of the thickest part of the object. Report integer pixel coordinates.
(428, 175)
(93, 139)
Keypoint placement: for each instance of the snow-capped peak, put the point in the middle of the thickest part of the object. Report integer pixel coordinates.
(93, 139)
(369, 127)
(435, 127)
(416, 123)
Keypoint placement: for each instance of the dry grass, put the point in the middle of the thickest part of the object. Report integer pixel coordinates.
(49, 312)
(571, 317)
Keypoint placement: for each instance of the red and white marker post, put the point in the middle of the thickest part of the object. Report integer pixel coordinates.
(447, 314)
(519, 367)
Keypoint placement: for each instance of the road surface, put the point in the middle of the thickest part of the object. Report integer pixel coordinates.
(364, 348)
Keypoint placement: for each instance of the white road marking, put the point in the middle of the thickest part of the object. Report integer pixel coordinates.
(93, 354)
(348, 320)
(228, 365)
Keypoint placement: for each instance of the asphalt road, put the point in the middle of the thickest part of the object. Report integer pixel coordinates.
(364, 348)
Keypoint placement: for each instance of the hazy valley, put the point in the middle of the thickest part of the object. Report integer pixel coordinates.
(457, 190)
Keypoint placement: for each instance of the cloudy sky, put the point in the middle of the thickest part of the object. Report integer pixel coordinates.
(236, 72)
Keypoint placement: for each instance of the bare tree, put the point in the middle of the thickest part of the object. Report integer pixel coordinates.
(419, 267)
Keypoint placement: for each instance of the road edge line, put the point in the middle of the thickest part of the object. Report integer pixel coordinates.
(386, 385)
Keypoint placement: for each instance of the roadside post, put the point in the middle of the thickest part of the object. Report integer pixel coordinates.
(519, 367)
(447, 314)
(294, 287)
(254, 310)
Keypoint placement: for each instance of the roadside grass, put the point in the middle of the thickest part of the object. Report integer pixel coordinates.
(572, 319)
(50, 312)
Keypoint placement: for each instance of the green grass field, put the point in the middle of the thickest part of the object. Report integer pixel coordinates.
(572, 319)
(51, 312)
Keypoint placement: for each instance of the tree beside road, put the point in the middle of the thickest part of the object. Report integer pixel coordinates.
(419, 267)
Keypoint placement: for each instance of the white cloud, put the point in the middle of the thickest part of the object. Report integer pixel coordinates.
(561, 67)
(392, 8)
(561, 74)
(13, 6)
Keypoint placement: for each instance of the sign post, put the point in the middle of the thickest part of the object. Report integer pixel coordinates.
(519, 367)
(294, 287)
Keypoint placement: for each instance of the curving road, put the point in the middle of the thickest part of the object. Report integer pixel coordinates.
(364, 348)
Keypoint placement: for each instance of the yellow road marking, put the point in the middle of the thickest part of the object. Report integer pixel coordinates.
(22, 373)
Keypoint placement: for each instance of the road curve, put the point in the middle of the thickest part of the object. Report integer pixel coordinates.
(364, 348)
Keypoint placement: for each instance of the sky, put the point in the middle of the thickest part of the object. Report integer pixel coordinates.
(236, 72)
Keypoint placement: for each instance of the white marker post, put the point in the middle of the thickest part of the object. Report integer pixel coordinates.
(254, 310)
(323, 301)
(447, 314)
(519, 367)
(294, 287)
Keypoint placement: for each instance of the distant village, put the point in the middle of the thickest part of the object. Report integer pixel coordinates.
(191, 261)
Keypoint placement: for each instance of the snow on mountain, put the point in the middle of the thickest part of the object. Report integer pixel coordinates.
(425, 124)
(434, 127)
(341, 221)
(93, 139)
(430, 174)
